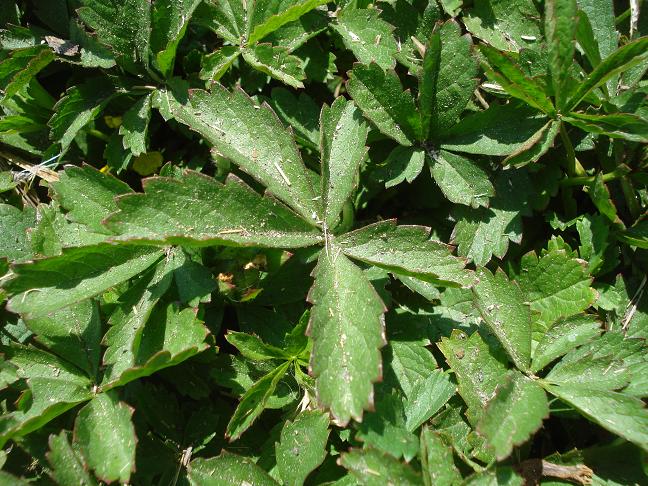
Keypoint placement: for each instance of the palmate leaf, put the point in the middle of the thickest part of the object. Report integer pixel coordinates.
(405, 250)
(124, 26)
(347, 329)
(88, 195)
(302, 446)
(227, 469)
(536, 146)
(14, 223)
(276, 62)
(381, 98)
(514, 414)
(55, 387)
(50, 284)
(197, 210)
(73, 333)
(277, 20)
(485, 232)
(508, 25)
(17, 71)
(437, 463)
(615, 125)
(502, 305)
(69, 466)
(461, 180)
(134, 126)
(169, 21)
(342, 147)
(252, 137)
(478, 370)
(556, 285)
(617, 412)
(369, 37)
(560, 31)
(107, 438)
(447, 79)
(372, 467)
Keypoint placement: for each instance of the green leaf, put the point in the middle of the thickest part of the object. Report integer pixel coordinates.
(595, 246)
(483, 233)
(437, 462)
(560, 31)
(54, 231)
(620, 60)
(134, 125)
(402, 164)
(508, 25)
(342, 147)
(81, 104)
(56, 386)
(381, 98)
(447, 80)
(227, 469)
(616, 125)
(600, 15)
(197, 210)
(88, 195)
(252, 347)
(405, 250)
(556, 285)
(68, 465)
(636, 235)
(597, 373)
(461, 180)
(301, 113)
(14, 223)
(128, 319)
(502, 305)
(619, 413)
(514, 414)
(562, 337)
(253, 402)
(367, 36)
(500, 476)
(499, 130)
(296, 10)
(17, 71)
(297, 33)
(276, 62)
(509, 75)
(477, 369)
(123, 25)
(51, 284)
(216, 64)
(347, 329)
(253, 138)
(384, 427)
(107, 438)
(302, 446)
(536, 146)
(371, 467)
(426, 398)
(73, 333)
(169, 21)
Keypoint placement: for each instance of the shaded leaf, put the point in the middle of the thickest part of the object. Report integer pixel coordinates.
(293, 12)
(402, 164)
(276, 62)
(134, 125)
(616, 125)
(106, 437)
(371, 467)
(560, 31)
(502, 305)
(51, 284)
(302, 446)
(68, 465)
(225, 469)
(514, 414)
(436, 460)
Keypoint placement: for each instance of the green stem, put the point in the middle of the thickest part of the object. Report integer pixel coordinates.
(97, 134)
(630, 197)
(618, 173)
(574, 167)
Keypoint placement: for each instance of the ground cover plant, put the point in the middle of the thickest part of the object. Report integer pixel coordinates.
(285, 242)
